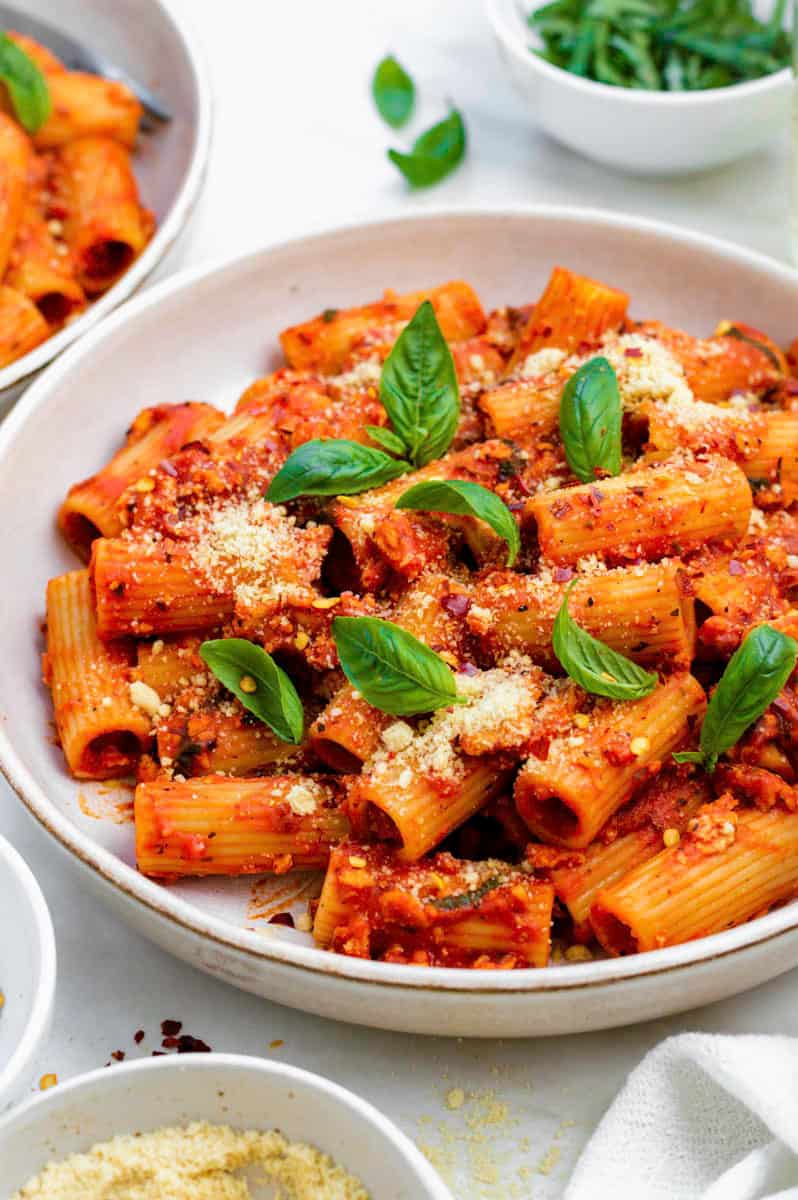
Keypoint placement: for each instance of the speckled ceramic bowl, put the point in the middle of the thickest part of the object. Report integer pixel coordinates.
(156, 46)
(207, 334)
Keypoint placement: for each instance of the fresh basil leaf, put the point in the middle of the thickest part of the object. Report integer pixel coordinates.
(596, 667)
(419, 390)
(239, 665)
(461, 498)
(391, 669)
(754, 676)
(437, 152)
(590, 420)
(393, 91)
(468, 899)
(386, 438)
(27, 86)
(336, 467)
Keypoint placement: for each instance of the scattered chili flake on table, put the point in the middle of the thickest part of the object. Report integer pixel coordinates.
(191, 1045)
(138, 1036)
(171, 1028)
(48, 1081)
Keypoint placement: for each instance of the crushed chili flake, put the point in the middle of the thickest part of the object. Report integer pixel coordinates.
(456, 604)
(633, 352)
(138, 1036)
(170, 1028)
(118, 1055)
(282, 918)
(191, 1045)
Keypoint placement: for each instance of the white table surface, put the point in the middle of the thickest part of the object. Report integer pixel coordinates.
(298, 146)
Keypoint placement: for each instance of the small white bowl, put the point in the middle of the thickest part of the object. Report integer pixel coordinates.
(642, 132)
(155, 46)
(27, 973)
(225, 1089)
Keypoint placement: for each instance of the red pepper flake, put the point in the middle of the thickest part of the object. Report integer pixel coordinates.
(158, 1054)
(562, 574)
(456, 603)
(282, 918)
(595, 497)
(516, 506)
(191, 1045)
(791, 387)
(168, 466)
(735, 567)
(118, 1055)
(633, 352)
(560, 509)
(170, 1043)
(468, 668)
(138, 1036)
(171, 1028)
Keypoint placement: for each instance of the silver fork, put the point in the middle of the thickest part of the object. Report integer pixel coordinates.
(79, 57)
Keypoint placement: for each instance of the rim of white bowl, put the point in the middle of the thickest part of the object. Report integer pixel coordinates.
(188, 1064)
(44, 985)
(511, 32)
(311, 960)
(166, 234)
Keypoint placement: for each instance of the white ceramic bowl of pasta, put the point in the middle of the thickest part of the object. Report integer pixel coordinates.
(643, 132)
(27, 973)
(223, 1089)
(207, 334)
(157, 47)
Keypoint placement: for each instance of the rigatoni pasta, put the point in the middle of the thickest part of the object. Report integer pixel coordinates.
(71, 220)
(485, 723)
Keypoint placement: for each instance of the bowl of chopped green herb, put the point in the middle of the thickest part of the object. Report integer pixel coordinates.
(651, 86)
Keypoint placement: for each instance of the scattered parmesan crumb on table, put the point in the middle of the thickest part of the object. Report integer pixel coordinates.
(200, 1161)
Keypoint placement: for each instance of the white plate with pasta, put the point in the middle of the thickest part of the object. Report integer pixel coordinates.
(94, 193)
(408, 759)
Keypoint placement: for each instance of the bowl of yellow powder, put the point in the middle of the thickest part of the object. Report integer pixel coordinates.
(212, 1127)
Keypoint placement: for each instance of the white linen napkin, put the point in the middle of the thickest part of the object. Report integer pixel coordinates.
(703, 1117)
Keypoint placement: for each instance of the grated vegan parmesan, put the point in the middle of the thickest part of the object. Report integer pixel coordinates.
(501, 705)
(304, 797)
(652, 373)
(646, 370)
(244, 548)
(201, 1161)
(364, 374)
(542, 362)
